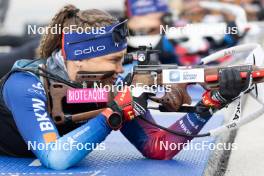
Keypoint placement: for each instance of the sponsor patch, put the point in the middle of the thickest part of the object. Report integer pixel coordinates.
(50, 137)
(183, 75)
(87, 95)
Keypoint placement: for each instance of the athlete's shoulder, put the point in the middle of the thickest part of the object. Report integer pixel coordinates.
(28, 63)
(23, 83)
(22, 78)
(21, 86)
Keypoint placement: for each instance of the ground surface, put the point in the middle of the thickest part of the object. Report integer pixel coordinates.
(249, 156)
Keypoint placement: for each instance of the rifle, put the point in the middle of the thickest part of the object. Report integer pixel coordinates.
(158, 75)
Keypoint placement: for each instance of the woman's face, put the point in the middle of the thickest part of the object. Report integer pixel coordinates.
(111, 62)
(149, 23)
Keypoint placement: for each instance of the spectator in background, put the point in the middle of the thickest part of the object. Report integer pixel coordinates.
(145, 18)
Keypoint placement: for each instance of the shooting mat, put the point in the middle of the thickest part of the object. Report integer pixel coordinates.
(121, 158)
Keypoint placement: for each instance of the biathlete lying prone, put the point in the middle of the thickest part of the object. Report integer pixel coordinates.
(25, 117)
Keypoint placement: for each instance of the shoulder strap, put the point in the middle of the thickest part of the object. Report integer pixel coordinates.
(46, 85)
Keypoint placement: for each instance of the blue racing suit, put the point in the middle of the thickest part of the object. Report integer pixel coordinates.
(24, 100)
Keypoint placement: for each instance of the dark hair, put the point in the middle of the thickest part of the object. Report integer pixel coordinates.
(67, 16)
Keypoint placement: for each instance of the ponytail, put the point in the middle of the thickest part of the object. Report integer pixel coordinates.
(50, 42)
(70, 15)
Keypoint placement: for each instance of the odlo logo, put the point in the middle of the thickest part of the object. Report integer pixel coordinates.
(89, 50)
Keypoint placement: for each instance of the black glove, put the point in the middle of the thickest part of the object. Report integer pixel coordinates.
(140, 104)
(230, 86)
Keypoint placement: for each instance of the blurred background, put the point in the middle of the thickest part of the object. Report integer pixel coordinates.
(18, 13)
(186, 49)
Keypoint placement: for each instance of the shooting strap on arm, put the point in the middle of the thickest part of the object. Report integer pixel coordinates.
(46, 85)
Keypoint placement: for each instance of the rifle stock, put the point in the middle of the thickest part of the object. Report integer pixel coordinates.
(147, 75)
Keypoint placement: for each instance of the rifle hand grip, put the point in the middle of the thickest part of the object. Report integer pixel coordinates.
(174, 99)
